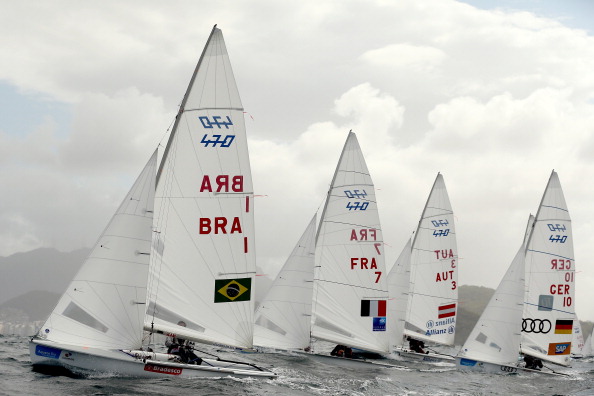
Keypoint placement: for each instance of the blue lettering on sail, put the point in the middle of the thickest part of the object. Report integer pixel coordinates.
(355, 194)
(439, 233)
(216, 120)
(216, 139)
(557, 227)
(439, 223)
(558, 238)
(357, 205)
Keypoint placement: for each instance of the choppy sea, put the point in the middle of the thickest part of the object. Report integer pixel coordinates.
(297, 375)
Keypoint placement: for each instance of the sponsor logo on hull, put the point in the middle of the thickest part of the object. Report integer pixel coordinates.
(48, 352)
(162, 369)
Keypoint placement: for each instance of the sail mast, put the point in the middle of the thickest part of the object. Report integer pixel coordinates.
(183, 105)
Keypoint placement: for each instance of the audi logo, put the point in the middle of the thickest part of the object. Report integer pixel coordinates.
(536, 326)
(508, 369)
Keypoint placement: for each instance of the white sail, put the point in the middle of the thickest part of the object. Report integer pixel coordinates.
(283, 319)
(577, 344)
(350, 283)
(432, 307)
(104, 305)
(398, 285)
(550, 272)
(496, 336)
(203, 266)
(588, 347)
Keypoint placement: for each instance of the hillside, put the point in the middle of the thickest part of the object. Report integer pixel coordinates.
(41, 269)
(472, 302)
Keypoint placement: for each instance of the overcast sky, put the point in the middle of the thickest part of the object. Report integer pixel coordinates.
(493, 98)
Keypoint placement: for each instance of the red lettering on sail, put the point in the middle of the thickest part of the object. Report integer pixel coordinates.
(444, 276)
(560, 264)
(444, 254)
(559, 289)
(223, 182)
(363, 262)
(364, 234)
(219, 225)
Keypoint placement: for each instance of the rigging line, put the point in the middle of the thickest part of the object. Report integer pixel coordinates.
(550, 254)
(429, 295)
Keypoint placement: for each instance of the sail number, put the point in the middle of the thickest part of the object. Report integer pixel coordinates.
(446, 275)
(364, 263)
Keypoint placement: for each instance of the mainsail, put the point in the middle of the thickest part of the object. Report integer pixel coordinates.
(350, 282)
(283, 319)
(432, 304)
(550, 275)
(203, 263)
(111, 284)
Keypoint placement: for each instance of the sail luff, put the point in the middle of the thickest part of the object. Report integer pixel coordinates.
(323, 216)
(183, 105)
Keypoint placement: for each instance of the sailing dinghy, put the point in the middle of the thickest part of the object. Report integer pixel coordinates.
(199, 269)
(350, 286)
(423, 282)
(549, 315)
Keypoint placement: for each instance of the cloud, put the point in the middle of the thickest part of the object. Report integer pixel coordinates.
(492, 99)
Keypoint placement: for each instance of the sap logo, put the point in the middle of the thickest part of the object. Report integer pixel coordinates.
(561, 348)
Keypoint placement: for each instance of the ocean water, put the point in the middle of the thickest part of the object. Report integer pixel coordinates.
(298, 375)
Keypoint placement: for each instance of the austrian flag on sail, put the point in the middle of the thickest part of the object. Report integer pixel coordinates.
(446, 311)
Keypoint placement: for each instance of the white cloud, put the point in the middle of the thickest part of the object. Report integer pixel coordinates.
(492, 99)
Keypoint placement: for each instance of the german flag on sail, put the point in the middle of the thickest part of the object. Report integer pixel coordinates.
(564, 326)
(445, 311)
(373, 308)
(232, 290)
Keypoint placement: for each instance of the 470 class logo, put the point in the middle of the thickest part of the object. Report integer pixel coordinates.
(536, 326)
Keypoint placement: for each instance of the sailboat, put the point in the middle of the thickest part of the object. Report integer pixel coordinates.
(494, 343)
(549, 315)
(423, 281)
(199, 269)
(350, 281)
(283, 318)
(530, 311)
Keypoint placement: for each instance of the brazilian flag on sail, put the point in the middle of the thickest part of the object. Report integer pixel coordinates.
(231, 290)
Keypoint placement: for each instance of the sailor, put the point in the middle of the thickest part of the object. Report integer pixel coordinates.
(533, 363)
(338, 351)
(416, 345)
(181, 347)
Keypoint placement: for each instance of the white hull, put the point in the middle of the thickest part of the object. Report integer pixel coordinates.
(424, 357)
(133, 363)
(465, 364)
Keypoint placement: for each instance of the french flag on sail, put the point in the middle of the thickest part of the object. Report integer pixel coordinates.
(373, 308)
(445, 311)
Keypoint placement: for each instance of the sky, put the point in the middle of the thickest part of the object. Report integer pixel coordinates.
(492, 94)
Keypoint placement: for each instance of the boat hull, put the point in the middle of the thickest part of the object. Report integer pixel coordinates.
(466, 364)
(87, 361)
(424, 357)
